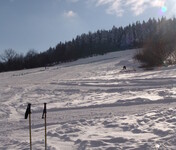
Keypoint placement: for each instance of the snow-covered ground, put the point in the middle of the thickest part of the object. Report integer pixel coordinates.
(92, 104)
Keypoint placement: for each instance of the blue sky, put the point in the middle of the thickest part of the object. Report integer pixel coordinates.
(39, 24)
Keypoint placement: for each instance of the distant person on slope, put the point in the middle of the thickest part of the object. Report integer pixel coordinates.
(124, 67)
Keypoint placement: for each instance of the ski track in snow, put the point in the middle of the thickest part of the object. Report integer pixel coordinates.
(92, 104)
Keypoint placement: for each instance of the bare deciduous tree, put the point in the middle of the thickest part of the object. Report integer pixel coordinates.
(158, 51)
(8, 55)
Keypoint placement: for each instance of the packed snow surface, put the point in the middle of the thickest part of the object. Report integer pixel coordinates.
(92, 104)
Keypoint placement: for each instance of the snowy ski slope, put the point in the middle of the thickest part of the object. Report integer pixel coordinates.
(92, 104)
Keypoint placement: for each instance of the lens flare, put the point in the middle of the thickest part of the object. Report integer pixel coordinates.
(164, 9)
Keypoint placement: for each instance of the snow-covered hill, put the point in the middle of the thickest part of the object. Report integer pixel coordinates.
(92, 104)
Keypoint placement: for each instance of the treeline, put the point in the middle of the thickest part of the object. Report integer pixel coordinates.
(98, 43)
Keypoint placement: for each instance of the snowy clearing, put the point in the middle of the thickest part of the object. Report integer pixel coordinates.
(92, 104)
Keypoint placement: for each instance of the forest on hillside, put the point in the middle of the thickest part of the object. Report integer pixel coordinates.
(98, 43)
